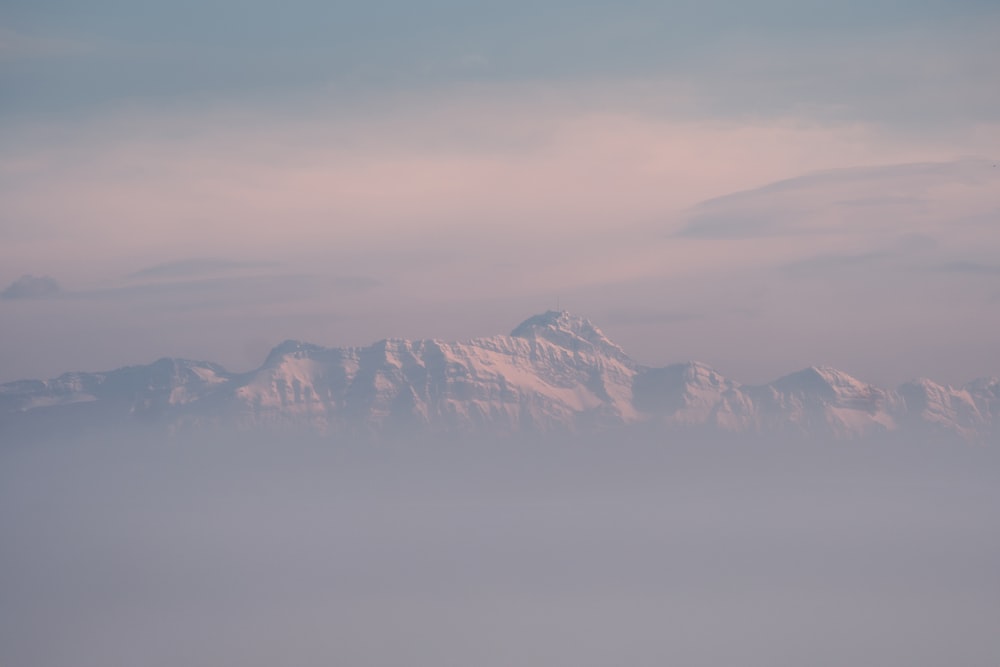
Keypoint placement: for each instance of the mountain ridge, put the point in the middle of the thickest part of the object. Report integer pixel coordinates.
(555, 372)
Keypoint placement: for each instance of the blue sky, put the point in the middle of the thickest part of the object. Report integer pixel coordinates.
(71, 57)
(756, 185)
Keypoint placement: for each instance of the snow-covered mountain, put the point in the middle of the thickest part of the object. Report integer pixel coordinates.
(554, 372)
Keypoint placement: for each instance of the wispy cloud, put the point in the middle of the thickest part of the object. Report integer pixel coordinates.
(31, 287)
(198, 293)
(835, 201)
(825, 265)
(229, 290)
(198, 267)
(970, 268)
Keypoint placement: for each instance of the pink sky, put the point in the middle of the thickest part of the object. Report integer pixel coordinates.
(755, 241)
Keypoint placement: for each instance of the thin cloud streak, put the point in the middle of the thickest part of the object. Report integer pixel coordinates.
(970, 268)
(825, 202)
(198, 266)
(824, 266)
(262, 289)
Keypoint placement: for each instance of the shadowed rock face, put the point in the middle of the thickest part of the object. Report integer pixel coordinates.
(555, 372)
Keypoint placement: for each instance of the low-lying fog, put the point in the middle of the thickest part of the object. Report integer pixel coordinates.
(168, 554)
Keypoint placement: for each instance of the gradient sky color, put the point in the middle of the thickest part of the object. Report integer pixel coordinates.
(758, 185)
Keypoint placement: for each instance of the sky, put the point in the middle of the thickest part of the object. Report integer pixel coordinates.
(759, 185)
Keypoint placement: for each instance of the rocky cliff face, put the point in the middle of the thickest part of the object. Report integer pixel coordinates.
(554, 372)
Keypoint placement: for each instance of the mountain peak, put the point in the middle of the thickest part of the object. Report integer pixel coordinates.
(822, 380)
(290, 347)
(569, 331)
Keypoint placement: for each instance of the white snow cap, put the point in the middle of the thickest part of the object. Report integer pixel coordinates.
(567, 331)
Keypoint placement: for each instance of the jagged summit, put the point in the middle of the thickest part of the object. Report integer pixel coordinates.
(291, 347)
(569, 331)
(820, 378)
